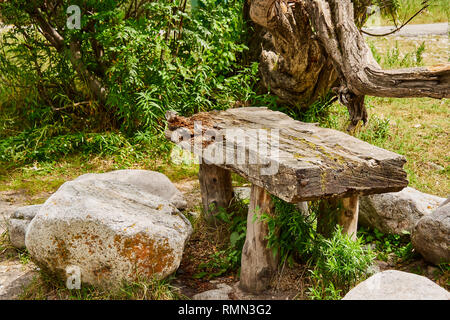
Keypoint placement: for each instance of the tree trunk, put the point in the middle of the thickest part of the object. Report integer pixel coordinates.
(216, 189)
(315, 42)
(258, 264)
(341, 211)
(94, 83)
(293, 65)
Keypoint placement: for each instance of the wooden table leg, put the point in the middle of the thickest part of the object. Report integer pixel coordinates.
(216, 189)
(258, 264)
(348, 217)
(342, 211)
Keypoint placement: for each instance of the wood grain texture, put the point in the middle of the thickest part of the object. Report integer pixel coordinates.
(348, 217)
(258, 264)
(360, 74)
(342, 211)
(311, 163)
(216, 190)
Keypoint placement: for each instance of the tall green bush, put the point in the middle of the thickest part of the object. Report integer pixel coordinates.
(162, 57)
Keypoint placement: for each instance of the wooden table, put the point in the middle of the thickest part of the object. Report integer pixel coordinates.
(292, 160)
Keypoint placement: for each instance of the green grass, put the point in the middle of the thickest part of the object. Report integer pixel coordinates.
(37, 180)
(45, 287)
(438, 11)
(416, 128)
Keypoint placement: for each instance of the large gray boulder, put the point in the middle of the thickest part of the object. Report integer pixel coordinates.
(431, 236)
(18, 224)
(397, 285)
(152, 182)
(396, 212)
(110, 227)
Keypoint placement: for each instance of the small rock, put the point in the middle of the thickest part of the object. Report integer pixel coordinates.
(431, 235)
(435, 166)
(417, 125)
(397, 285)
(396, 212)
(19, 222)
(221, 293)
(303, 207)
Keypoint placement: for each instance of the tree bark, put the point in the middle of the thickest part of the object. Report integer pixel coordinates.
(74, 53)
(293, 65)
(360, 74)
(258, 264)
(216, 189)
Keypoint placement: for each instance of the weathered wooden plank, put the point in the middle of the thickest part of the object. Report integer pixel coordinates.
(293, 160)
(216, 190)
(258, 264)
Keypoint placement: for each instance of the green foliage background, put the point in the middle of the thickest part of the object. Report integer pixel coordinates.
(166, 58)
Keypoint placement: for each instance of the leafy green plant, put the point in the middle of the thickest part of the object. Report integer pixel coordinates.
(336, 263)
(228, 259)
(291, 234)
(340, 263)
(393, 58)
(150, 59)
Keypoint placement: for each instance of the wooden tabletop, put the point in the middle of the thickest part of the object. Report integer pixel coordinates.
(292, 160)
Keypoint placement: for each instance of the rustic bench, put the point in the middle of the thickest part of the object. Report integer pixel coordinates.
(292, 160)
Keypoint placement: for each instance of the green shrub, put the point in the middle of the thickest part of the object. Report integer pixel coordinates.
(340, 263)
(386, 244)
(228, 259)
(336, 264)
(166, 57)
(291, 234)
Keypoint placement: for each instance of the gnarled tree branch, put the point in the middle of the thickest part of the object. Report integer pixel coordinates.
(74, 52)
(333, 25)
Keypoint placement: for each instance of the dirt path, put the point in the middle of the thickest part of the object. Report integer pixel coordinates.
(412, 30)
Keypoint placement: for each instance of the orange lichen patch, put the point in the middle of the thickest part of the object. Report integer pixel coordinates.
(148, 255)
(61, 251)
(102, 272)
